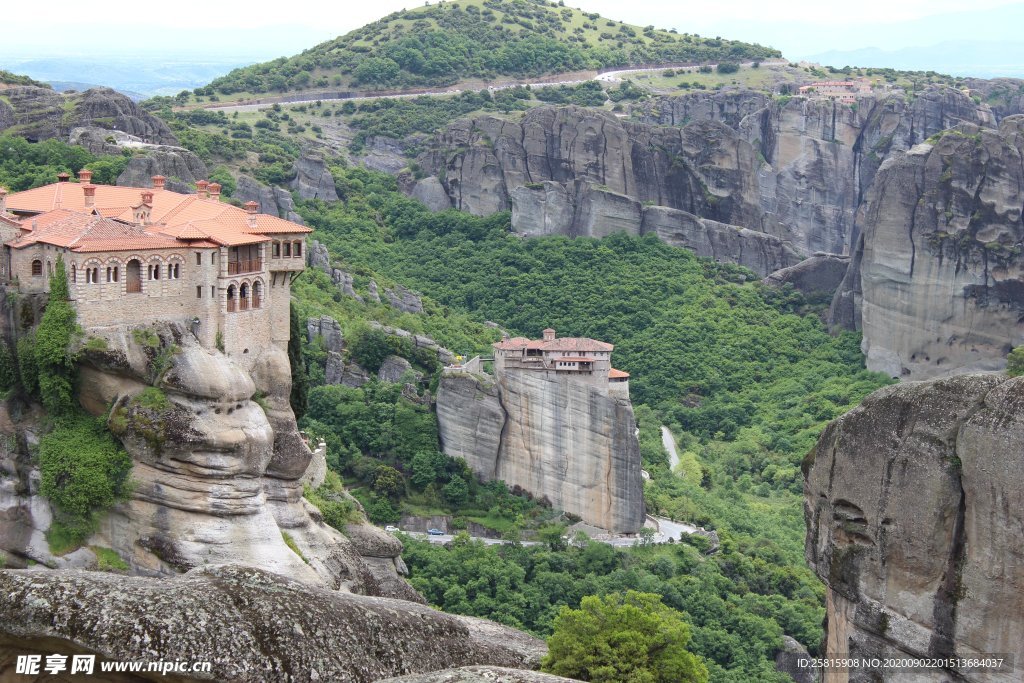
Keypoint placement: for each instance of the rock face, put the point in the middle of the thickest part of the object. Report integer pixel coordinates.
(480, 674)
(217, 478)
(181, 167)
(313, 180)
(914, 509)
(817, 276)
(251, 625)
(794, 168)
(274, 201)
(935, 281)
(42, 114)
(561, 440)
(404, 299)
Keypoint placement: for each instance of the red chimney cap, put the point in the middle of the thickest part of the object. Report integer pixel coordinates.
(202, 184)
(158, 181)
(214, 188)
(251, 207)
(85, 175)
(89, 190)
(63, 176)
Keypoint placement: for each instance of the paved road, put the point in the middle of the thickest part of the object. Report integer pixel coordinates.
(608, 77)
(669, 442)
(447, 538)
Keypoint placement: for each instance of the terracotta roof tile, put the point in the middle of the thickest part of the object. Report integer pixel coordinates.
(564, 344)
(617, 374)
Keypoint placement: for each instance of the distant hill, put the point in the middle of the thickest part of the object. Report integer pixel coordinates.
(445, 43)
(982, 59)
(8, 78)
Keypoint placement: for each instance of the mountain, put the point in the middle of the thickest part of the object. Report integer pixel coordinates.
(983, 59)
(444, 43)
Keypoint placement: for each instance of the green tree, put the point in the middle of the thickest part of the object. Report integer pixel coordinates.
(1015, 362)
(620, 638)
(387, 481)
(55, 362)
(300, 386)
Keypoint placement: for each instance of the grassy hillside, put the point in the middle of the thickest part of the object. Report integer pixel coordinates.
(444, 43)
(12, 79)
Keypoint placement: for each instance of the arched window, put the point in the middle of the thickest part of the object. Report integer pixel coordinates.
(37, 268)
(74, 273)
(173, 271)
(243, 296)
(297, 249)
(257, 294)
(231, 299)
(154, 271)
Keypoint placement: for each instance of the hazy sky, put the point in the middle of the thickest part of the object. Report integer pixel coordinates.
(246, 28)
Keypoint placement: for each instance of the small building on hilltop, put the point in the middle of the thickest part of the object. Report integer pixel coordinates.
(584, 360)
(554, 420)
(138, 255)
(838, 91)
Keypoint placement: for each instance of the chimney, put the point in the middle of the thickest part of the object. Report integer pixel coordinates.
(201, 186)
(549, 334)
(90, 196)
(85, 176)
(158, 182)
(251, 207)
(147, 197)
(214, 191)
(63, 177)
(3, 200)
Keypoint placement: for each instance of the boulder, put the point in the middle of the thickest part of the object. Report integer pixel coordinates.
(273, 201)
(392, 369)
(328, 329)
(181, 167)
(313, 180)
(403, 299)
(817, 276)
(251, 625)
(431, 193)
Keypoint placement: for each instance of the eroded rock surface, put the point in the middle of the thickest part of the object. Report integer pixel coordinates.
(935, 281)
(914, 513)
(563, 441)
(252, 625)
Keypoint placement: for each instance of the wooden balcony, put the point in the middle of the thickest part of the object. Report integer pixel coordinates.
(245, 266)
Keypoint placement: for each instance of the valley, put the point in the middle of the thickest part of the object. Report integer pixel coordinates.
(639, 320)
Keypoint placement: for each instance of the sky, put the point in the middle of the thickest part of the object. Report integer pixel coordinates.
(252, 30)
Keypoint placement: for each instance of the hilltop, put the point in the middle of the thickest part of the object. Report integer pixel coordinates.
(448, 42)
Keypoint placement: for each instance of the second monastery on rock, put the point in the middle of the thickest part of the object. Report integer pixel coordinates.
(148, 254)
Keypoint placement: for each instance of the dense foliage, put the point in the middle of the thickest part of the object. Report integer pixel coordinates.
(1015, 362)
(442, 43)
(300, 383)
(623, 637)
(8, 78)
(55, 361)
(24, 164)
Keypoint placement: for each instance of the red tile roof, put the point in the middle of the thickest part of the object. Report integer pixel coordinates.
(564, 344)
(617, 374)
(175, 216)
(82, 232)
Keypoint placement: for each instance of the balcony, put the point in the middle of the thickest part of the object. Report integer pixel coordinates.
(245, 266)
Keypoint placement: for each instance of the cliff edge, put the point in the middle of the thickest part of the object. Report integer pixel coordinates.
(914, 513)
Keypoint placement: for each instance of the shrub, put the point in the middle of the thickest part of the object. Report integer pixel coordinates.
(1015, 362)
(54, 360)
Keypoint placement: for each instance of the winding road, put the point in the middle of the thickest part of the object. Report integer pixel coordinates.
(669, 442)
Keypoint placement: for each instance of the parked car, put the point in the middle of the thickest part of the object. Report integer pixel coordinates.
(435, 532)
(391, 528)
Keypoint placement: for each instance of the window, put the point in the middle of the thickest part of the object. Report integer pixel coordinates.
(297, 251)
(231, 299)
(277, 249)
(288, 249)
(257, 294)
(153, 271)
(199, 258)
(74, 273)
(173, 271)
(37, 268)
(213, 292)
(199, 291)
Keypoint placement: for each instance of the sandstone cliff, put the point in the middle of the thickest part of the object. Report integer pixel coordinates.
(914, 510)
(560, 440)
(217, 477)
(252, 626)
(935, 280)
(793, 168)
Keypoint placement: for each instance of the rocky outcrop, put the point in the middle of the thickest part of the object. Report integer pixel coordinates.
(392, 369)
(403, 299)
(274, 201)
(179, 166)
(794, 168)
(758, 251)
(566, 442)
(313, 180)
(385, 154)
(431, 193)
(251, 625)
(818, 276)
(216, 476)
(42, 114)
(938, 572)
(935, 280)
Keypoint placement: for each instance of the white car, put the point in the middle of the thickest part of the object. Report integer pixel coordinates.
(390, 528)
